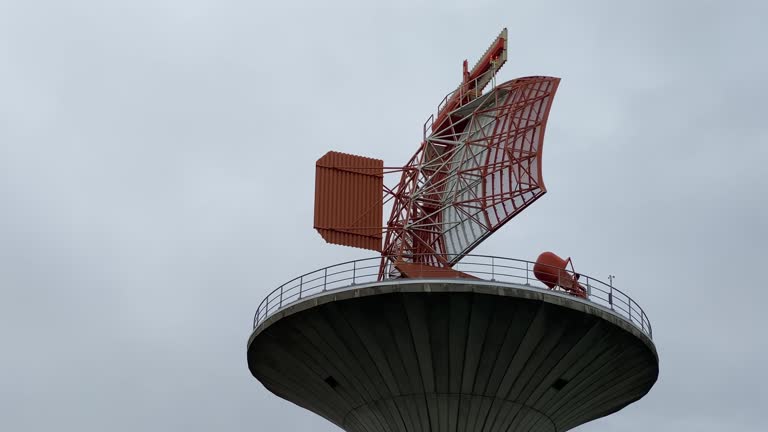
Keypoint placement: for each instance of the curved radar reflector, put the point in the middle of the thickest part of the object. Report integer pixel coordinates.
(495, 168)
(348, 200)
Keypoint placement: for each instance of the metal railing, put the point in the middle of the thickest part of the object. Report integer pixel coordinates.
(463, 89)
(484, 267)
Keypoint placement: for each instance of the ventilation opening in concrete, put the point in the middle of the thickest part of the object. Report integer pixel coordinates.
(559, 384)
(331, 381)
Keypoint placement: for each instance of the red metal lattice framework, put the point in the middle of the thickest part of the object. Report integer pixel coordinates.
(478, 167)
(472, 176)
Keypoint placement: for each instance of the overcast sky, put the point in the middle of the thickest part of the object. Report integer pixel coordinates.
(157, 167)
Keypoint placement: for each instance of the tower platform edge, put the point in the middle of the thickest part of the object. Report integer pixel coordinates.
(439, 355)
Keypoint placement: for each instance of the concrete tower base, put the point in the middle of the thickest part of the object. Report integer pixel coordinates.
(452, 356)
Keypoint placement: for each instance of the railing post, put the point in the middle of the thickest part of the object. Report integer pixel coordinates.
(301, 285)
(610, 297)
(526, 273)
(325, 279)
(589, 289)
(493, 269)
(650, 328)
(645, 319)
(354, 270)
(630, 308)
(281, 297)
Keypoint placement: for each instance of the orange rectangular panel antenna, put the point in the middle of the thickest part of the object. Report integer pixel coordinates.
(348, 200)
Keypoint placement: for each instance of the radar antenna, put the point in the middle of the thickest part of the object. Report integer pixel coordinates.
(477, 167)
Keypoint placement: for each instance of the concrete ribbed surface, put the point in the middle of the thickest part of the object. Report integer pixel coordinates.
(455, 356)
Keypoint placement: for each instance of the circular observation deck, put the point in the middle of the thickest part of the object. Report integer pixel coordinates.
(498, 351)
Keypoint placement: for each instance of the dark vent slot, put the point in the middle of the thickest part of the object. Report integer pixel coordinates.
(559, 384)
(331, 381)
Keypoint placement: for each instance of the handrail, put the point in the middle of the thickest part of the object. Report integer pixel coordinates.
(462, 89)
(483, 267)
